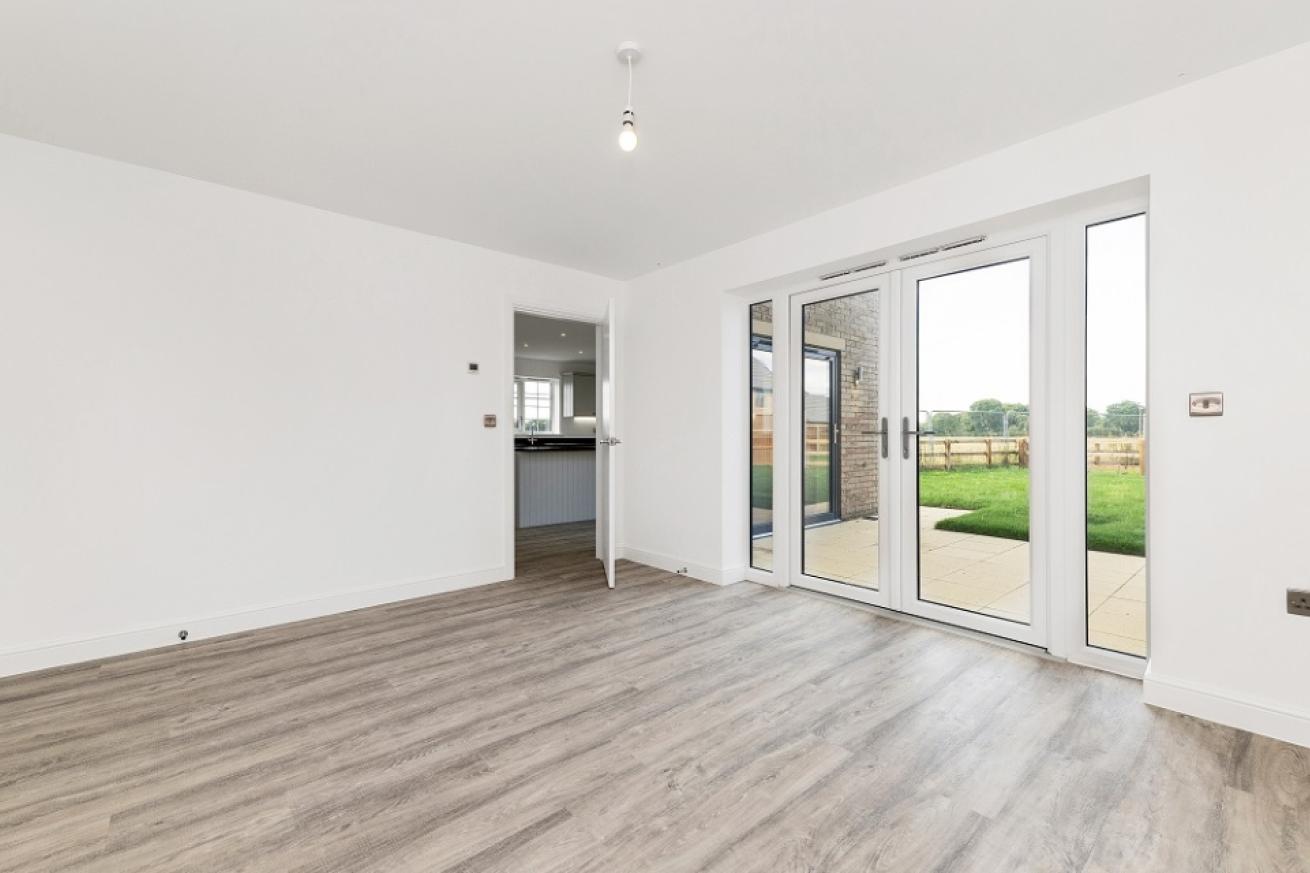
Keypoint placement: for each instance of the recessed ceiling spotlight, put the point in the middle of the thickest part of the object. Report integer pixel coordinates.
(629, 53)
(579, 351)
(525, 345)
(563, 334)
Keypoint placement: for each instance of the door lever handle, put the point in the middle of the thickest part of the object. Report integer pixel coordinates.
(881, 434)
(906, 433)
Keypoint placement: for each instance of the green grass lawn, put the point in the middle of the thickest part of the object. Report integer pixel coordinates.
(1116, 517)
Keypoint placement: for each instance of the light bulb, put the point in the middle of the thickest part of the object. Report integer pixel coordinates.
(628, 133)
(627, 138)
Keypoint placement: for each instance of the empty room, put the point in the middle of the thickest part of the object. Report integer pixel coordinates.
(742, 437)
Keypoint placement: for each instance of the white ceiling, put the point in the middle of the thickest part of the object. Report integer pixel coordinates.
(495, 122)
(553, 339)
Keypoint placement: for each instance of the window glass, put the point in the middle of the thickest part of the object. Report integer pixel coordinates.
(536, 405)
(761, 435)
(1116, 435)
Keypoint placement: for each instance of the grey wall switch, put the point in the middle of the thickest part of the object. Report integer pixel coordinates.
(473, 366)
(1298, 601)
(488, 421)
(1206, 403)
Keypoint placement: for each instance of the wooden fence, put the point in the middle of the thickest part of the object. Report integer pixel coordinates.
(1117, 453)
(1123, 454)
(951, 453)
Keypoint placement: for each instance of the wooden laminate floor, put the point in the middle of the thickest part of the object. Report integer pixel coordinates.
(550, 724)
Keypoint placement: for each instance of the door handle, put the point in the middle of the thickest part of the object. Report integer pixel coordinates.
(906, 433)
(881, 434)
(608, 441)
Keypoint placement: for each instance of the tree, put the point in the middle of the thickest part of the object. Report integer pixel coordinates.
(986, 417)
(1016, 419)
(1125, 417)
(949, 424)
(1095, 423)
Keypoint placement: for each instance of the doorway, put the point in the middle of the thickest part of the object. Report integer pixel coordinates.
(970, 470)
(562, 508)
(915, 403)
(839, 343)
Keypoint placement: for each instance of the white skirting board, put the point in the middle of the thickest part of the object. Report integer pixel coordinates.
(675, 565)
(59, 654)
(1215, 705)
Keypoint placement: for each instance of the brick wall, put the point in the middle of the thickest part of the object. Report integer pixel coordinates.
(853, 321)
(849, 325)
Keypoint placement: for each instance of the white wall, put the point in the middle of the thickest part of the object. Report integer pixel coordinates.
(222, 410)
(569, 426)
(1230, 184)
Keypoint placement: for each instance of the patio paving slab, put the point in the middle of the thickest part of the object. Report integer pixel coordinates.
(982, 574)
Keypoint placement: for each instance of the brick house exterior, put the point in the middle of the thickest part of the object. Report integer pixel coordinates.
(849, 327)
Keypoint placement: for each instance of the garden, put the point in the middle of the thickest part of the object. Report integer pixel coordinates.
(998, 498)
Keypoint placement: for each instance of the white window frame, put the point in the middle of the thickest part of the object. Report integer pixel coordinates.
(1073, 569)
(1062, 226)
(520, 401)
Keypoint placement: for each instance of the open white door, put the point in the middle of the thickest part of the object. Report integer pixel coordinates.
(606, 443)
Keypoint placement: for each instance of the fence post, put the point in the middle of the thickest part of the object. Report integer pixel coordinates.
(989, 451)
(947, 444)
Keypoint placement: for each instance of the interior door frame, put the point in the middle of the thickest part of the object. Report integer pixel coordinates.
(1041, 448)
(505, 422)
(606, 462)
(795, 517)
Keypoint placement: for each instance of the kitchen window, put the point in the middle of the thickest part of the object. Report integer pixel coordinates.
(536, 405)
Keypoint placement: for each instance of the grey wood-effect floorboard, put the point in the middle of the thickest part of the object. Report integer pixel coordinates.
(551, 725)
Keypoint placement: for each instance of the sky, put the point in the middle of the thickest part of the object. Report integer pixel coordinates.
(974, 330)
(973, 337)
(1116, 312)
(974, 327)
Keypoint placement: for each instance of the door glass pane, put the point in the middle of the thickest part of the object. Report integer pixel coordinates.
(973, 394)
(839, 444)
(761, 412)
(1116, 435)
(822, 400)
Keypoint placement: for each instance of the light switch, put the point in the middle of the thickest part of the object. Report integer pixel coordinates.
(488, 421)
(1206, 403)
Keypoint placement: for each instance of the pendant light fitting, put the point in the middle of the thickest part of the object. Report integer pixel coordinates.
(628, 53)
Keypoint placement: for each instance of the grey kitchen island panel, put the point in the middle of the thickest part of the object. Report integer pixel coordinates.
(555, 487)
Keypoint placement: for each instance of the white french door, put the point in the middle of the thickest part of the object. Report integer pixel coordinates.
(841, 479)
(972, 443)
(918, 481)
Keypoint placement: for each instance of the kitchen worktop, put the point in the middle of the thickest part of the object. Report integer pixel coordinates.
(554, 444)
